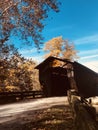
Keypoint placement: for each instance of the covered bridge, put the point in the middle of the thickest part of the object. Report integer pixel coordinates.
(56, 80)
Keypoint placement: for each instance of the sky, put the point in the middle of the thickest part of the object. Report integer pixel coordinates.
(77, 22)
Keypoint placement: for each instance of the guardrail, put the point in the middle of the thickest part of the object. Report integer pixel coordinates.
(84, 113)
(14, 96)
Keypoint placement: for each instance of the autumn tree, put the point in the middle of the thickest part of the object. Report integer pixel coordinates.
(24, 18)
(59, 47)
(26, 76)
(16, 72)
(6, 52)
(53, 47)
(68, 51)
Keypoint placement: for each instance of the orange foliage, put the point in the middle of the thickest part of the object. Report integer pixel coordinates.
(58, 47)
(16, 73)
(53, 46)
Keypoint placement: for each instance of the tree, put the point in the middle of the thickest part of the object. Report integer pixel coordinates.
(6, 52)
(26, 76)
(53, 47)
(24, 18)
(68, 51)
(60, 48)
(16, 72)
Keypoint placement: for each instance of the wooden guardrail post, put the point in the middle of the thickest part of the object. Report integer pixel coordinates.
(33, 94)
(22, 96)
(84, 115)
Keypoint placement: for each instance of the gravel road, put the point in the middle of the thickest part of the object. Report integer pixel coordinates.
(10, 112)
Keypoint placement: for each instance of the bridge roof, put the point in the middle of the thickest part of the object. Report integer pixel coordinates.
(51, 59)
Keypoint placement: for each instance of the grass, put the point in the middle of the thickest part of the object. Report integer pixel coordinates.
(54, 118)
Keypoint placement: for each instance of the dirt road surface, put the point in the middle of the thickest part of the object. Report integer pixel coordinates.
(38, 114)
(10, 112)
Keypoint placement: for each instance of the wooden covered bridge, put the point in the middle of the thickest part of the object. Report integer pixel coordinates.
(56, 80)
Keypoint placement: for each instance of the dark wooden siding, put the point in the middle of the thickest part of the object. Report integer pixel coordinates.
(86, 80)
(54, 81)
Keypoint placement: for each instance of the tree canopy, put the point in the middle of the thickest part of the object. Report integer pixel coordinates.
(16, 72)
(60, 48)
(24, 18)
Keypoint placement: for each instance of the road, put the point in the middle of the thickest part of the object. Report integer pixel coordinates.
(9, 112)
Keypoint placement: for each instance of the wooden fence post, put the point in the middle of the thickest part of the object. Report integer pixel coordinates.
(84, 115)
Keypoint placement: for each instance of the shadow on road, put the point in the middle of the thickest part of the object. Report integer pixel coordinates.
(57, 117)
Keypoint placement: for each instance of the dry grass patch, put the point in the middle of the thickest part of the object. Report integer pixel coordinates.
(54, 118)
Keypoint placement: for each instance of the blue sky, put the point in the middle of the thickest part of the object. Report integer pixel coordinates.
(77, 21)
